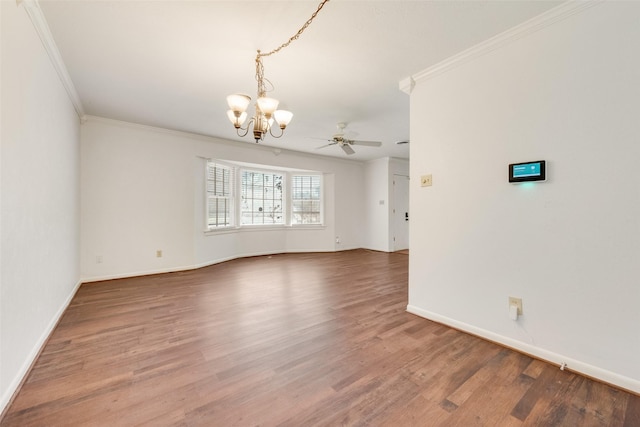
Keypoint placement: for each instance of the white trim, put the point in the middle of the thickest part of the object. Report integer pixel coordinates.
(574, 365)
(406, 85)
(265, 227)
(195, 266)
(219, 140)
(42, 28)
(558, 13)
(348, 248)
(35, 351)
(140, 273)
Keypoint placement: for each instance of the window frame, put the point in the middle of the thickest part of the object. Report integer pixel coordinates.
(231, 198)
(320, 200)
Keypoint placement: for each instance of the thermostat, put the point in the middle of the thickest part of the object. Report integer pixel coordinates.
(528, 171)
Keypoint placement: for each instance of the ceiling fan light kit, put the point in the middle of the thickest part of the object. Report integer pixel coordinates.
(266, 109)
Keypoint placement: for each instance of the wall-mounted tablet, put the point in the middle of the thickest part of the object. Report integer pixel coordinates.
(527, 171)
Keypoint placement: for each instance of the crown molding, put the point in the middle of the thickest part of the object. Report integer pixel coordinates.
(406, 85)
(42, 28)
(557, 14)
(246, 144)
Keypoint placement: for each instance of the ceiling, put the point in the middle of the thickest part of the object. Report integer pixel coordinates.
(171, 64)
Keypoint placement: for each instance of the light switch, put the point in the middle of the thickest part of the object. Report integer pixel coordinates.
(425, 180)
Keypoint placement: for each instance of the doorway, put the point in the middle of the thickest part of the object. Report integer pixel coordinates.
(400, 221)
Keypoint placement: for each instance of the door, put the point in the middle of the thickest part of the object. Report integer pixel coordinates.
(400, 222)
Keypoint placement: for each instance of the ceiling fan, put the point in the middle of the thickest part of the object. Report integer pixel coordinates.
(345, 143)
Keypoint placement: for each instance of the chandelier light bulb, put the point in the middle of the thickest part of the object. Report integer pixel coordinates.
(238, 102)
(267, 105)
(283, 117)
(236, 118)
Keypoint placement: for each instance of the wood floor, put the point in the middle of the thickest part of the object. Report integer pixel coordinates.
(290, 340)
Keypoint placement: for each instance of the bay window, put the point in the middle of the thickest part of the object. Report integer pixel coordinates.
(238, 196)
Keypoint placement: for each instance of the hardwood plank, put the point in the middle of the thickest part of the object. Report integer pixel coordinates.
(534, 369)
(632, 415)
(417, 412)
(492, 392)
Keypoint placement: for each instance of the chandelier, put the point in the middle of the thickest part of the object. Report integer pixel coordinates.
(266, 109)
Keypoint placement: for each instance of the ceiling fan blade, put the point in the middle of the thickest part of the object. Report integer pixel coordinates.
(347, 149)
(327, 145)
(367, 143)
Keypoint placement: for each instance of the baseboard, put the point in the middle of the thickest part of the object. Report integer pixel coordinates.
(21, 376)
(573, 365)
(346, 248)
(195, 266)
(136, 274)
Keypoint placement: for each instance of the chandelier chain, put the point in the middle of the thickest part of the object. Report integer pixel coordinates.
(260, 76)
(265, 108)
(298, 34)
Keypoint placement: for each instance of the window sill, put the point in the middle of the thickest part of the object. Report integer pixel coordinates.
(252, 228)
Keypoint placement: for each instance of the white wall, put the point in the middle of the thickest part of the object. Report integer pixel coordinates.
(143, 191)
(570, 248)
(379, 200)
(40, 197)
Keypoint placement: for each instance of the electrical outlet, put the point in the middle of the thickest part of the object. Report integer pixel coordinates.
(98, 259)
(426, 180)
(517, 302)
(159, 253)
